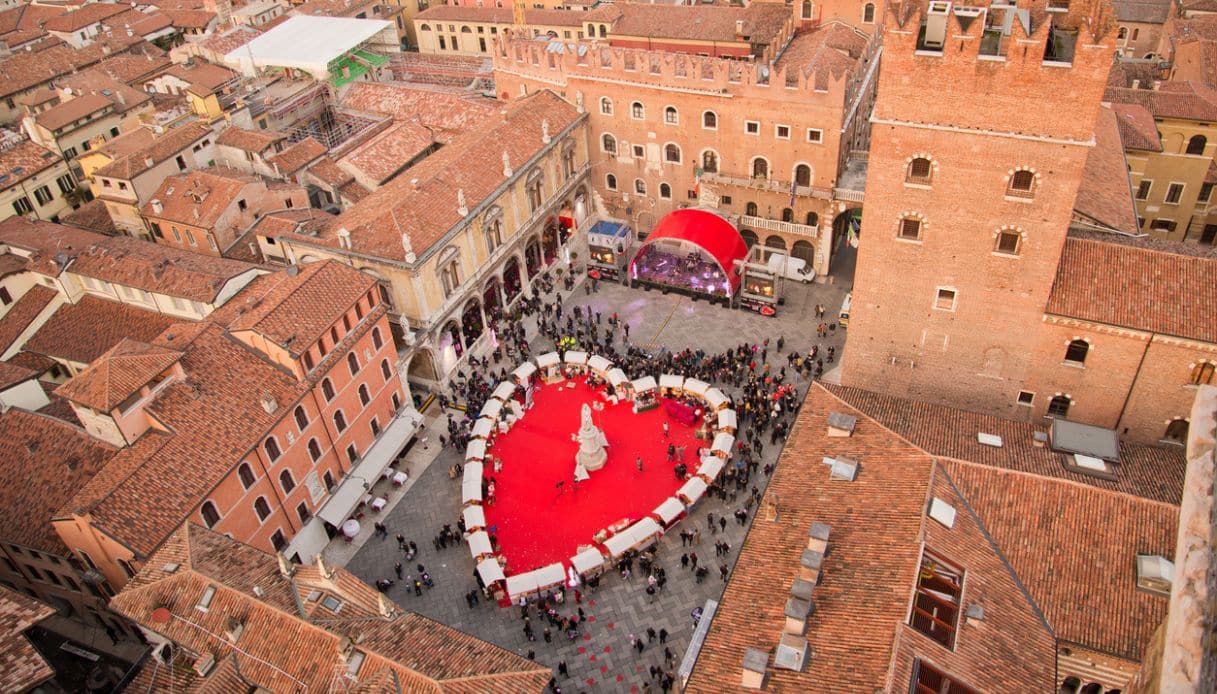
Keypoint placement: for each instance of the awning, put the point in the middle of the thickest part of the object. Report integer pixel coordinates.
(473, 470)
(723, 442)
(490, 571)
(716, 399)
(669, 510)
(671, 381)
(548, 359)
(726, 419)
(524, 371)
(550, 575)
(599, 363)
(644, 530)
(382, 452)
(696, 387)
(492, 409)
(710, 467)
(619, 544)
(644, 384)
(575, 357)
(471, 485)
(587, 560)
(635, 535)
(479, 544)
(522, 584)
(692, 490)
(474, 517)
(481, 430)
(503, 391)
(476, 450)
(616, 377)
(309, 542)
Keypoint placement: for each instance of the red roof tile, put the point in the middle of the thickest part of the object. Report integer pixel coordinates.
(118, 374)
(197, 198)
(83, 17)
(762, 22)
(11, 374)
(23, 313)
(1104, 194)
(455, 112)
(1183, 100)
(23, 160)
(26, 69)
(298, 156)
(22, 667)
(1137, 128)
(72, 110)
(136, 160)
(256, 141)
(83, 331)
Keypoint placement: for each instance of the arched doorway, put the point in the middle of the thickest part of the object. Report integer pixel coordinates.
(787, 214)
(1176, 431)
(532, 256)
(471, 319)
(803, 250)
(582, 204)
(776, 241)
(450, 338)
(511, 278)
(491, 297)
(750, 238)
(802, 175)
(813, 219)
(549, 240)
(760, 168)
(422, 367)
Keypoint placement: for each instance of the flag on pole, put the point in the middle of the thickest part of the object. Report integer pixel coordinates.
(793, 186)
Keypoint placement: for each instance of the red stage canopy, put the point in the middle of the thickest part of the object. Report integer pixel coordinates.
(710, 232)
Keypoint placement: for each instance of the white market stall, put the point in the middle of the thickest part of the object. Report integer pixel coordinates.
(492, 576)
(479, 545)
(492, 409)
(710, 467)
(523, 373)
(504, 390)
(589, 562)
(671, 384)
(727, 421)
(576, 360)
(481, 430)
(475, 518)
(476, 450)
(550, 366)
(669, 511)
(644, 394)
(633, 537)
(722, 445)
(692, 491)
(521, 585)
(599, 365)
(550, 576)
(696, 387)
(471, 490)
(716, 400)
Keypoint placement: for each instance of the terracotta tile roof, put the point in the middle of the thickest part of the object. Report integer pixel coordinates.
(858, 636)
(327, 171)
(827, 52)
(22, 667)
(117, 374)
(198, 198)
(427, 210)
(83, 17)
(24, 160)
(140, 61)
(1105, 194)
(1198, 27)
(1137, 128)
(449, 111)
(166, 146)
(1142, 11)
(1184, 100)
(11, 264)
(256, 141)
(282, 649)
(26, 69)
(1200, 5)
(91, 216)
(353, 192)
(45, 461)
(231, 40)
(72, 110)
(190, 19)
(762, 22)
(23, 313)
(532, 16)
(1075, 547)
(126, 143)
(388, 152)
(299, 309)
(34, 362)
(83, 331)
(96, 82)
(27, 16)
(298, 156)
(1150, 290)
(204, 77)
(44, 240)
(11, 374)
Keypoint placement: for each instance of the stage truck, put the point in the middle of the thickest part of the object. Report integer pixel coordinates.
(764, 271)
(610, 247)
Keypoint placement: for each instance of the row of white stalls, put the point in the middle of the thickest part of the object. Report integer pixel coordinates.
(592, 559)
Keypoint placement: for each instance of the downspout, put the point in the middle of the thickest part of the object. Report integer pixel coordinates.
(1135, 377)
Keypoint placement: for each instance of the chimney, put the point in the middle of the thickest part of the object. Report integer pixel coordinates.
(461, 208)
(286, 568)
(324, 568)
(149, 162)
(809, 566)
(1039, 439)
(753, 675)
(157, 207)
(387, 609)
(408, 248)
(344, 238)
(233, 629)
(739, 27)
(269, 403)
(797, 612)
(545, 138)
(841, 425)
(507, 170)
(817, 537)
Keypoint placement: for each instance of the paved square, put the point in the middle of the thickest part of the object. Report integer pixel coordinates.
(601, 659)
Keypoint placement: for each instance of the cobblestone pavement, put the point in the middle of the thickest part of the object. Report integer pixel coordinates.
(601, 659)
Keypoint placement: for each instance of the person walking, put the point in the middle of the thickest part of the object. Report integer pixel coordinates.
(638, 462)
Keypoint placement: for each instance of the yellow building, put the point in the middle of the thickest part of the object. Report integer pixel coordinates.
(462, 30)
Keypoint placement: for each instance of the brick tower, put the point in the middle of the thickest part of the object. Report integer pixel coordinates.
(982, 124)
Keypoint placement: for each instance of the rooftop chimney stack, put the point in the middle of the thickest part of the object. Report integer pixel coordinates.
(753, 674)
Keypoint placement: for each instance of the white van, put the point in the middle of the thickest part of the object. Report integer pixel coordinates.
(843, 319)
(791, 268)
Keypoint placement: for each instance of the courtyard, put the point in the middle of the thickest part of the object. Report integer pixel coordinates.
(601, 658)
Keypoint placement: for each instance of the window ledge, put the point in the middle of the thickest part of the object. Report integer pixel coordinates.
(1018, 198)
(1003, 254)
(1073, 364)
(918, 186)
(901, 239)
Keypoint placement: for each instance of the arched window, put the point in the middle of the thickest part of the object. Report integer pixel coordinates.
(286, 481)
(246, 473)
(307, 359)
(352, 363)
(671, 153)
(1071, 685)
(364, 399)
(787, 214)
(1202, 373)
(637, 110)
(868, 13)
(1196, 144)
(1059, 406)
(211, 517)
(301, 418)
(271, 446)
(920, 170)
(750, 209)
(340, 421)
(385, 370)
(377, 340)
(806, 9)
(640, 186)
(709, 161)
(1076, 351)
(533, 189)
(1176, 431)
(327, 389)
(760, 167)
(314, 450)
(802, 175)
(603, 31)
(709, 120)
(610, 182)
(606, 106)
(608, 143)
(1122, 33)
(671, 116)
(813, 219)
(424, 27)
(665, 191)
(262, 508)
(1022, 183)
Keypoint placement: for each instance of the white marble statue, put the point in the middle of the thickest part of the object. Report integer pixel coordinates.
(592, 443)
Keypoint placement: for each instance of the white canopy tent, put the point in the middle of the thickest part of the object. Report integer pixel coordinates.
(642, 385)
(587, 560)
(632, 537)
(710, 467)
(669, 510)
(490, 571)
(671, 381)
(550, 575)
(599, 363)
(476, 450)
(547, 360)
(482, 429)
(492, 409)
(503, 391)
(576, 357)
(522, 584)
(696, 387)
(473, 470)
(716, 399)
(471, 490)
(692, 490)
(616, 377)
(620, 543)
(727, 420)
(723, 443)
(474, 517)
(479, 544)
(524, 371)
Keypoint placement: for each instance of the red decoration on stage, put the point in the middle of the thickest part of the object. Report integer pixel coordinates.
(712, 233)
(535, 524)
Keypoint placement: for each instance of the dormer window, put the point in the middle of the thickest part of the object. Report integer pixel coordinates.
(205, 602)
(1155, 574)
(937, 603)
